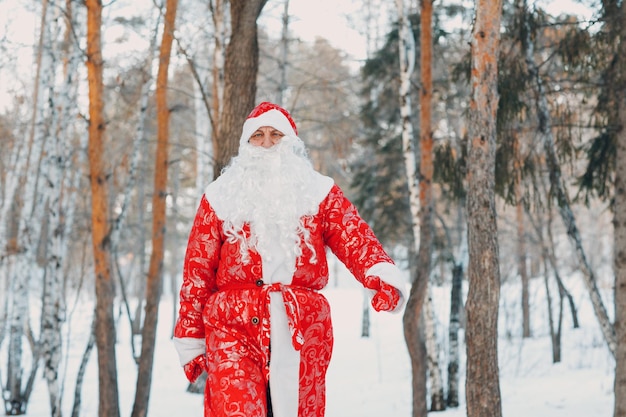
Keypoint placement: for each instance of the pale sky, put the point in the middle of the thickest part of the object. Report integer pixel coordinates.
(328, 19)
(335, 19)
(331, 19)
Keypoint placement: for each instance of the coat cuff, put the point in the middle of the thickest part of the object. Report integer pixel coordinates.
(189, 348)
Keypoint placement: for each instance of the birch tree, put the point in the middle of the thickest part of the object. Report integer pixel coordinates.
(27, 210)
(421, 207)
(482, 384)
(456, 301)
(108, 403)
(58, 195)
(53, 172)
(16, 309)
(426, 169)
(413, 332)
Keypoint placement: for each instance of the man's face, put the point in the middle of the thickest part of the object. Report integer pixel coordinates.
(266, 136)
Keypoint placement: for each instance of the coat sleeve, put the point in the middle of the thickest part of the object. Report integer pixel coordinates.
(199, 271)
(350, 238)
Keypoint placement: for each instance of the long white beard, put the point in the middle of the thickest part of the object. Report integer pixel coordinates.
(269, 188)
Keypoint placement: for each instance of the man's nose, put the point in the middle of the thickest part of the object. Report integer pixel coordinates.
(267, 141)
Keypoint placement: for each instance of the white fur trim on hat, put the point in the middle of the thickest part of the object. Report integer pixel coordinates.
(273, 118)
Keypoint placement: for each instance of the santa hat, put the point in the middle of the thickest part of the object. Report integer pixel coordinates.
(268, 114)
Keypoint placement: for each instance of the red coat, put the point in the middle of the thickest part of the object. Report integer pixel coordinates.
(225, 309)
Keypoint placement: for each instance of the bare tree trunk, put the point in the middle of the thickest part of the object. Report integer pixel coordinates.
(549, 259)
(482, 384)
(203, 119)
(174, 244)
(12, 203)
(135, 179)
(54, 172)
(413, 334)
(53, 315)
(27, 211)
(155, 273)
(555, 331)
(240, 72)
(4, 305)
(75, 22)
(9, 231)
(547, 251)
(140, 284)
(204, 148)
(559, 188)
(365, 318)
(437, 398)
(219, 13)
(521, 240)
(456, 301)
(426, 201)
(80, 376)
(108, 404)
(284, 43)
(619, 222)
(14, 401)
(521, 266)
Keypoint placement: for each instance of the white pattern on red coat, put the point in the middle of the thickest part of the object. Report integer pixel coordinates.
(337, 225)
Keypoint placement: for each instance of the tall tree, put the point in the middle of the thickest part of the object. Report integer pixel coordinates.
(426, 169)
(24, 203)
(557, 184)
(482, 384)
(133, 183)
(379, 175)
(521, 238)
(52, 169)
(240, 73)
(618, 85)
(413, 331)
(155, 272)
(108, 404)
(219, 9)
(284, 41)
(456, 301)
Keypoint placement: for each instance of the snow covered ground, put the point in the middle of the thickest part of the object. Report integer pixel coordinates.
(370, 377)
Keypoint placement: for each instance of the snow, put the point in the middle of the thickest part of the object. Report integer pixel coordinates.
(371, 377)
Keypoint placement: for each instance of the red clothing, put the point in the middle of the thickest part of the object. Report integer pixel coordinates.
(226, 303)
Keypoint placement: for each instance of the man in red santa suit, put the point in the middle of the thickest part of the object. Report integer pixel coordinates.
(251, 313)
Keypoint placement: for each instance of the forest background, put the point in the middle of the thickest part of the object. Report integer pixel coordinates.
(554, 166)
